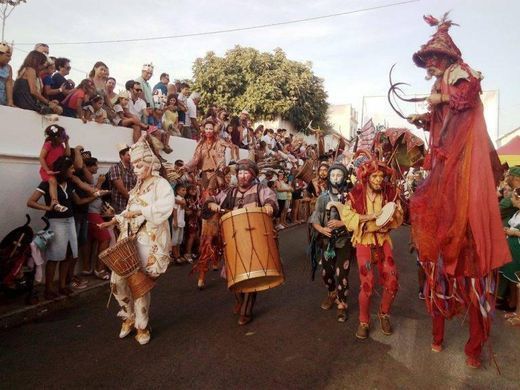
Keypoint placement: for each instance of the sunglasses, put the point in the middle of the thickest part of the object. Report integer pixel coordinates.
(138, 90)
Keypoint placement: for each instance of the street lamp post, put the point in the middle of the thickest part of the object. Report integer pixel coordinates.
(8, 6)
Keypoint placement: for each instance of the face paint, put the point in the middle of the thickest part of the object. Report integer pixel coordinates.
(375, 181)
(142, 170)
(209, 131)
(336, 177)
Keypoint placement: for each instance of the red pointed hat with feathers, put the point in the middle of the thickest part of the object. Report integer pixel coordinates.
(368, 165)
(440, 42)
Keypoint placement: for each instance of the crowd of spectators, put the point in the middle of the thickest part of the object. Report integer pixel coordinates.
(76, 198)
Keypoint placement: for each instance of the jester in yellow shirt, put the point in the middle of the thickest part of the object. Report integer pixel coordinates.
(372, 243)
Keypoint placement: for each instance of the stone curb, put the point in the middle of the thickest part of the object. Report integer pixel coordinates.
(31, 313)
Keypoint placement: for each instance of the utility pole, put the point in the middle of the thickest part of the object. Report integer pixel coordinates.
(7, 7)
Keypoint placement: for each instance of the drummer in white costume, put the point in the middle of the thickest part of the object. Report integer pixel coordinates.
(149, 206)
(247, 193)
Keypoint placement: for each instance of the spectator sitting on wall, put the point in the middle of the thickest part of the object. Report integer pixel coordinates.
(94, 110)
(26, 94)
(146, 74)
(59, 81)
(162, 85)
(73, 103)
(111, 95)
(160, 133)
(170, 117)
(6, 76)
(125, 117)
(136, 105)
(182, 100)
(172, 89)
(191, 116)
(42, 48)
(46, 79)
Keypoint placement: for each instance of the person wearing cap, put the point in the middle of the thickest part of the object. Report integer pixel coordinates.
(146, 74)
(455, 219)
(330, 244)
(122, 179)
(6, 76)
(372, 242)
(246, 194)
(150, 204)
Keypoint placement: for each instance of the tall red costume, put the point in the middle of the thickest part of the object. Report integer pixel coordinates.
(455, 218)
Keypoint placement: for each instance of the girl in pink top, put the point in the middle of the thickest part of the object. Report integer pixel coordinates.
(56, 145)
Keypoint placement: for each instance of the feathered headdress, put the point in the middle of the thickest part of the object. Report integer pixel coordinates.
(440, 42)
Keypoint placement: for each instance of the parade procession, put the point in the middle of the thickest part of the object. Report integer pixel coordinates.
(287, 242)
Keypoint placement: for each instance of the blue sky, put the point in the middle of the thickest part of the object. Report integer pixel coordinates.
(353, 53)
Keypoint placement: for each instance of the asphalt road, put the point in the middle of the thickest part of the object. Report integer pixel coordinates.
(291, 344)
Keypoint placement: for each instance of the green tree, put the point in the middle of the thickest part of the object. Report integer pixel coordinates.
(267, 85)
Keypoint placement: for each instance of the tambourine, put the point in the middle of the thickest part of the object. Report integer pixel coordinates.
(387, 212)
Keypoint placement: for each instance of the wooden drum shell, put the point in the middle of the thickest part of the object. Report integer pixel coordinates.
(251, 250)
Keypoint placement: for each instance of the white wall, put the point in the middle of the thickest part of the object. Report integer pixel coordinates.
(21, 139)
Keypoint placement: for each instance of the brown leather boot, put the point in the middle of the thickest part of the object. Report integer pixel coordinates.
(386, 326)
(329, 301)
(362, 331)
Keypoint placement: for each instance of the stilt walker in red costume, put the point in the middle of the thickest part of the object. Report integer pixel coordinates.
(373, 194)
(455, 218)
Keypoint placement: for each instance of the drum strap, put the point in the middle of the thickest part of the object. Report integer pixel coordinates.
(231, 197)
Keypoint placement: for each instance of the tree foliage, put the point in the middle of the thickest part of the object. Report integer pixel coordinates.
(267, 85)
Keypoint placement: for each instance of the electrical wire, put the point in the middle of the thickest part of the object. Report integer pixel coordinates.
(230, 30)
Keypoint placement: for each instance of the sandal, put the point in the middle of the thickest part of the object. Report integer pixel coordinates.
(103, 275)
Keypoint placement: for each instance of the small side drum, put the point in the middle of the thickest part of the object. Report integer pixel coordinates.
(123, 259)
(306, 171)
(250, 250)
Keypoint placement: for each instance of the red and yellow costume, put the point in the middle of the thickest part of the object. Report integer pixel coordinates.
(373, 245)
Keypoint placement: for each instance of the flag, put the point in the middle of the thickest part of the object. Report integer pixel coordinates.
(366, 136)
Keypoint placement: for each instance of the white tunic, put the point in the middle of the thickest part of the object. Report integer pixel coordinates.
(155, 199)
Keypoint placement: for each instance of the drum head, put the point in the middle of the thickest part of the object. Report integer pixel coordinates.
(386, 214)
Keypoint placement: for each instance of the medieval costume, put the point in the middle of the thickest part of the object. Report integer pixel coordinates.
(210, 249)
(454, 213)
(319, 183)
(150, 204)
(210, 154)
(248, 193)
(209, 159)
(332, 244)
(372, 242)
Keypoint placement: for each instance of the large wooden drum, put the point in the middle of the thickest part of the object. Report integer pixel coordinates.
(250, 250)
